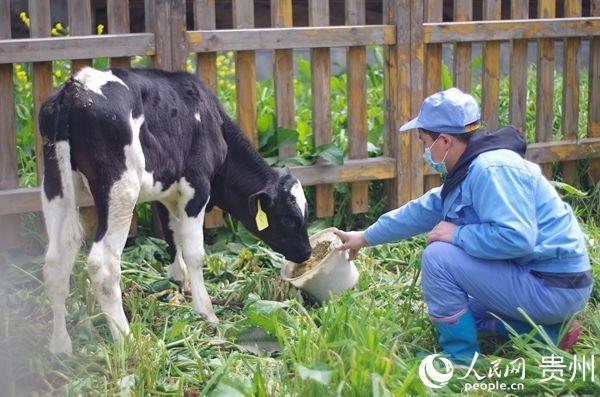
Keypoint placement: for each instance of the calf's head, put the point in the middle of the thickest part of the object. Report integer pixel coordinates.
(278, 215)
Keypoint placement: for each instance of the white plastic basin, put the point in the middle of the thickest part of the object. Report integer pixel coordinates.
(334, 274)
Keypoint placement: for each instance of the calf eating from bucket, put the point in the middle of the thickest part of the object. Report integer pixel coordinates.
(131, 136)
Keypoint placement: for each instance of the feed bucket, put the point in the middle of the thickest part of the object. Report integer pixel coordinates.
(332, 275)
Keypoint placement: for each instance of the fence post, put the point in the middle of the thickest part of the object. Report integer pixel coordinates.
(318, 15)
(118, 22)
(491, 69)
(179, 50)
(9, 224)
(162, 34)
(570, 100)
(594, 92)
(545, 83)
(357, 105)
(283, 74)
(80, 24)
(204, 18)
(518, 70)
(397, 99)
(434, 11)
(417, 89)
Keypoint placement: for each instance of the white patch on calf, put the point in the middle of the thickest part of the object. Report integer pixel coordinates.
(298, 194)
(197, 116)
(93, 79)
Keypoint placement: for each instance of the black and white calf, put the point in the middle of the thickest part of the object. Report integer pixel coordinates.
(131, 136)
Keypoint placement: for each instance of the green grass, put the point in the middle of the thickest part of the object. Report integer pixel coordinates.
(271, 341)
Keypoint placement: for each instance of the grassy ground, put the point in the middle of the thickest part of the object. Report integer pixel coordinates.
(272, 340)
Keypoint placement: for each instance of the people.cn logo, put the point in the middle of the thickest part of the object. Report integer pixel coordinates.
(431, 376)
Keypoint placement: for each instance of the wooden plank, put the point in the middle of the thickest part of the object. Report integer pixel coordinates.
(285, 38)
(15, 201)
(518, 70)
(42, 73)
(463, 11)
(449, 32)
(204, 18)
(162, 35)
(80, 24)
(397, 98)
(545, 82)
(9, 179)
(318, 15)
(357, 105)
(47, 49)
(491, 70)
(118, 22)
(245, 74)
(433, 69)
(417, 90)
(283, 74)
(594, 92)
(179, 49)
(548, 152)
(570, 100)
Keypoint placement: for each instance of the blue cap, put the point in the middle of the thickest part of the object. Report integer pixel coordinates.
(447, 112)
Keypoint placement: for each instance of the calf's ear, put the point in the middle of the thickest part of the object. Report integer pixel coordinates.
(266, 201)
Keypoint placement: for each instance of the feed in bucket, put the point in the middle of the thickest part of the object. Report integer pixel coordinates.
(319, 252)
(327, 272)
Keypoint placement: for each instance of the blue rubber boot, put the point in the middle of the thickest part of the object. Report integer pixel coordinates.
(458, 339)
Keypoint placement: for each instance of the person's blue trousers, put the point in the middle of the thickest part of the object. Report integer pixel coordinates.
(454, 282)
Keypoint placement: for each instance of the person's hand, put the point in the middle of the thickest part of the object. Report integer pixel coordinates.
(443, 231)
(352, 241)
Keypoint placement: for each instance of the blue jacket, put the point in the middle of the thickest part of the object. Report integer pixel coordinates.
(504, 208)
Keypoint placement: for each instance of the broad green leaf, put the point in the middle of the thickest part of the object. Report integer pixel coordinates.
(320, 374)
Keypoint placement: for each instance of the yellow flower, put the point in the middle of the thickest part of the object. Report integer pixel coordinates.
(59, 26)
(100, 29)
(28, 86)
(58, 74)
(21, 75)
(54, 32)
(24, 18)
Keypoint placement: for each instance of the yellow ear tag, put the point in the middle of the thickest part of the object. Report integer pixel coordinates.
(261, 218)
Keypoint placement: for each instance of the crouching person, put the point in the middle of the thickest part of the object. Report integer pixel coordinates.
(499, 236)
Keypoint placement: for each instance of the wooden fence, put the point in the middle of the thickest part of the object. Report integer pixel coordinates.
(412, 35)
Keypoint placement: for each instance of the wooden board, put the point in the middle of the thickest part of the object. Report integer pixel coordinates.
(15, 201)
(433, 69)
(417, 90)
(284, 38)
(9, 231)
(397, 101)
(245, 74)
(162, 35)
(463, 11)
(177, 22)
(357, 105)
(80, 24)
(47, 49)
(518, 70)
(204, 18)
(449, 32)
(570, 99)
(42, 73)
(118, 22)
(491, 70)
(283, 74)
(318, 15)
(594, 92)
(545, 83)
